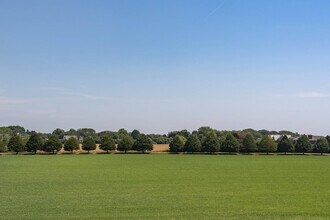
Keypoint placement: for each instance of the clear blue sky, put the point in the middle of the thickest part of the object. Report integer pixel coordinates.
(162, 65)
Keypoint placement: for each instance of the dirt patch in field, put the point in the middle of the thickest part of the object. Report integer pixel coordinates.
(161, 147)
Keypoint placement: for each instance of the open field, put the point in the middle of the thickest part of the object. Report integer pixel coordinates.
(164, 187)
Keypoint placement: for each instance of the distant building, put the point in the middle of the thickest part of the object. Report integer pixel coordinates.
(67, 137)
(313, 138)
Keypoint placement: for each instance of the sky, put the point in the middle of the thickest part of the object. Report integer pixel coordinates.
(163, 65)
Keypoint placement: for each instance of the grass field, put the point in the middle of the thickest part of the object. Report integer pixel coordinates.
(164, 187)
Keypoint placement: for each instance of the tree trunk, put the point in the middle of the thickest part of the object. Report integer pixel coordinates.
(285, 153)
(107, 151)
(125, 151)
(88, 151)
(16, 152)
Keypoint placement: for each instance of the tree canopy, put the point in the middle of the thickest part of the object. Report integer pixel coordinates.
(303, 145)
(249, 144)
(53, 144)
(143, 143)
(71, 144)
(285, 145)
(88, 144)
(177, 144)
(192, 144)
(321, 146)
(267, 144)
(125, 144)
(107, 143)
(34, 143)
(16, 144)
(230, 144)
(210, 143)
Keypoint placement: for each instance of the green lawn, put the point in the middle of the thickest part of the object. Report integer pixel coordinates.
(164, 187)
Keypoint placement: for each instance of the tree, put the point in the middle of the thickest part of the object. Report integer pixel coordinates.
(328, 139)
(210, 143)
(267, 144)
(285, 145)
(249, 144)
(125, 144)
(34, 143)
(88, 144)
(71, 144)
(193, 144)
(2, 145)
(303, 145)
(143, 143)
(16, 144)
(53, 144)
(58, 132)
(107, 143)
(177, 144)
(230, 144)
(134, 134)
(321, 146)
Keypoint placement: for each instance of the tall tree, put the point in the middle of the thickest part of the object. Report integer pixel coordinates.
(71, 144)
(107, 143)
(267, 144)
(210, 143)
(321, 146)
(34, 143)
(125, 144)
(230, 144)
(53, 144)
(16, 144)
(2, 145)
(177, 144)
(134, 134)
(193, 144)
(303, 145)
(88, 144)
(285, 145)
(58, 132)
(143, 143)
(249, 144)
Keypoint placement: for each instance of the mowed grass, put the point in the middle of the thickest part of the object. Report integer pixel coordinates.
(164, 187)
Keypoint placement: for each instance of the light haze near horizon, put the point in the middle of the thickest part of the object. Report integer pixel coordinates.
(165, 65)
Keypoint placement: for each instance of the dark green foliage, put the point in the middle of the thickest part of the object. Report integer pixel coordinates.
(303, 145)
(3, 147)
(16, 144)
(321, 146)
(107, 144)
(177, 144)
(53, 144)
(159, 139)
(285, 145)
(71, 144)
(71, 132)
(192, 144)
(143, 143)
(202, 132)
(88, 144)
(125, 144)
(184, 133)
(249, 144)
(86, 132)
(267, 144)
(230, 144)
(34, 143)
(210, 142)
(134, 134)
(58, 132)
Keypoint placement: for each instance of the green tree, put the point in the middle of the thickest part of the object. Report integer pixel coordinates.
(192, 144)
(2, 146)
(267, 144)
(285, 145)
(34, 143)
(230, 144)
(249, 144)
(321, 146)
(53, 144)
(143, 143)
(210, 142)
(16, 144)
(303, 145)
(125, 144)
(107, 143)
(71, 144)
(88, 144)
(177, 144)
(134, 134)
(58, 132)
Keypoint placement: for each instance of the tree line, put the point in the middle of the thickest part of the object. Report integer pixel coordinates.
(204, 139)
